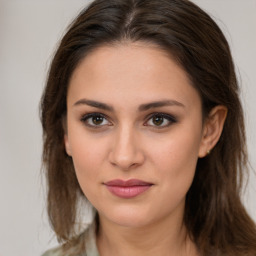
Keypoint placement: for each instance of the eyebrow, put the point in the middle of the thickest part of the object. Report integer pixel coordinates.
(95, 104)
(162, 103)
(143, 107)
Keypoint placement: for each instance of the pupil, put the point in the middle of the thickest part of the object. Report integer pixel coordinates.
(158, 120)
(97, 120)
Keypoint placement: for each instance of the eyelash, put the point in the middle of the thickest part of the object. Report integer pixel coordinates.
(85, 119)
(166, 117)
(169, 118)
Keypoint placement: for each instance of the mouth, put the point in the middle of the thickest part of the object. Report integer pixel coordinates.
(127, 189)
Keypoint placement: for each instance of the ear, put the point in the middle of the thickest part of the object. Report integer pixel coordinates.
(67, 145)
(212, 129)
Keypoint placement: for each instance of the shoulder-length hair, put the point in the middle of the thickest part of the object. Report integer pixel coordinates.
(214, 216)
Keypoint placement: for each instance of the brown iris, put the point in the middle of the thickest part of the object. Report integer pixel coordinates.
(158, 120)
(97, 120)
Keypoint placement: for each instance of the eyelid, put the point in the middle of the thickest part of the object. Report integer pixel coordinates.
(87, 116)
(171, 119)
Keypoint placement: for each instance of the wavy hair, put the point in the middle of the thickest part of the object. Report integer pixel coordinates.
(214, 216)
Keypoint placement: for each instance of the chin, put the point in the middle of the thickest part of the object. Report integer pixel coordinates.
(131, 221)
(130, 217)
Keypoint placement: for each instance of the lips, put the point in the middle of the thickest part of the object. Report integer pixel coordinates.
(127, 189)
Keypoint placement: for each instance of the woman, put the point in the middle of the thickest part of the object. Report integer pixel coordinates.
(141, 116)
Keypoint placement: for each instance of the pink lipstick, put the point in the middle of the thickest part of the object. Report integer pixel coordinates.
(127, 189)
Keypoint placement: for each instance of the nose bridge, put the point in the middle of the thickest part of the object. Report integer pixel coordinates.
(125, 150)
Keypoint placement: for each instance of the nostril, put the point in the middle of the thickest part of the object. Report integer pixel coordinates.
(126, 161)
(126, 151)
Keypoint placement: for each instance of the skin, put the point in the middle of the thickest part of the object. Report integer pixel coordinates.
(127, 142)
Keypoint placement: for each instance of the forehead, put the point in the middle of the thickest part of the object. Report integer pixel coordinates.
(131, 70)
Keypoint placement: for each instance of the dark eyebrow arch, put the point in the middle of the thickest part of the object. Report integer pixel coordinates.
(141, 108)
(162, 103)
(95, 104)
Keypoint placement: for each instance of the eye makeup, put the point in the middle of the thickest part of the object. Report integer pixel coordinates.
(157, 120)
(160, 120)
(95, 120)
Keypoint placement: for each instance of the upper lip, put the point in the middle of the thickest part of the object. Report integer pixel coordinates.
(127, 183)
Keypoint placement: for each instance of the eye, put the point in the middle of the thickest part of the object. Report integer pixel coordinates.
(95, 120)
(160, 120)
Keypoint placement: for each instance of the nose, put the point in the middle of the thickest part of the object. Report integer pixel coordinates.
(126, 151)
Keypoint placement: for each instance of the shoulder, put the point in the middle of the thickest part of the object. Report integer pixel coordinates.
(54, 252)
(86, 245)
(58, 251)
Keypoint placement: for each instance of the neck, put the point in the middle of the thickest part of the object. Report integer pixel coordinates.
(166, 237)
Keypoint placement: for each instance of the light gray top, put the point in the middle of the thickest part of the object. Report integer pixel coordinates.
(91, 247)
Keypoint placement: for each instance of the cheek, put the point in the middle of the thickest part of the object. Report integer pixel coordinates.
(87, 154)
(180, 147)
(176, 160)
(86, 157)
(86, 163)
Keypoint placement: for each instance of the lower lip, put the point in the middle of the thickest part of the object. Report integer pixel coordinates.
(128, 192)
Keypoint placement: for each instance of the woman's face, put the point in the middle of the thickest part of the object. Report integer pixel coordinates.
(134, 131)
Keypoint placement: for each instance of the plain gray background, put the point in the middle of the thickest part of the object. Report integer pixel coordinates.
(29, 31)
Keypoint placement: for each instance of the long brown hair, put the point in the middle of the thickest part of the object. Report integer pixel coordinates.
(214, 215)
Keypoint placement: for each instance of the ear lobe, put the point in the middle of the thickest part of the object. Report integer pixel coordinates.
(212, 130)
(67, 145)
